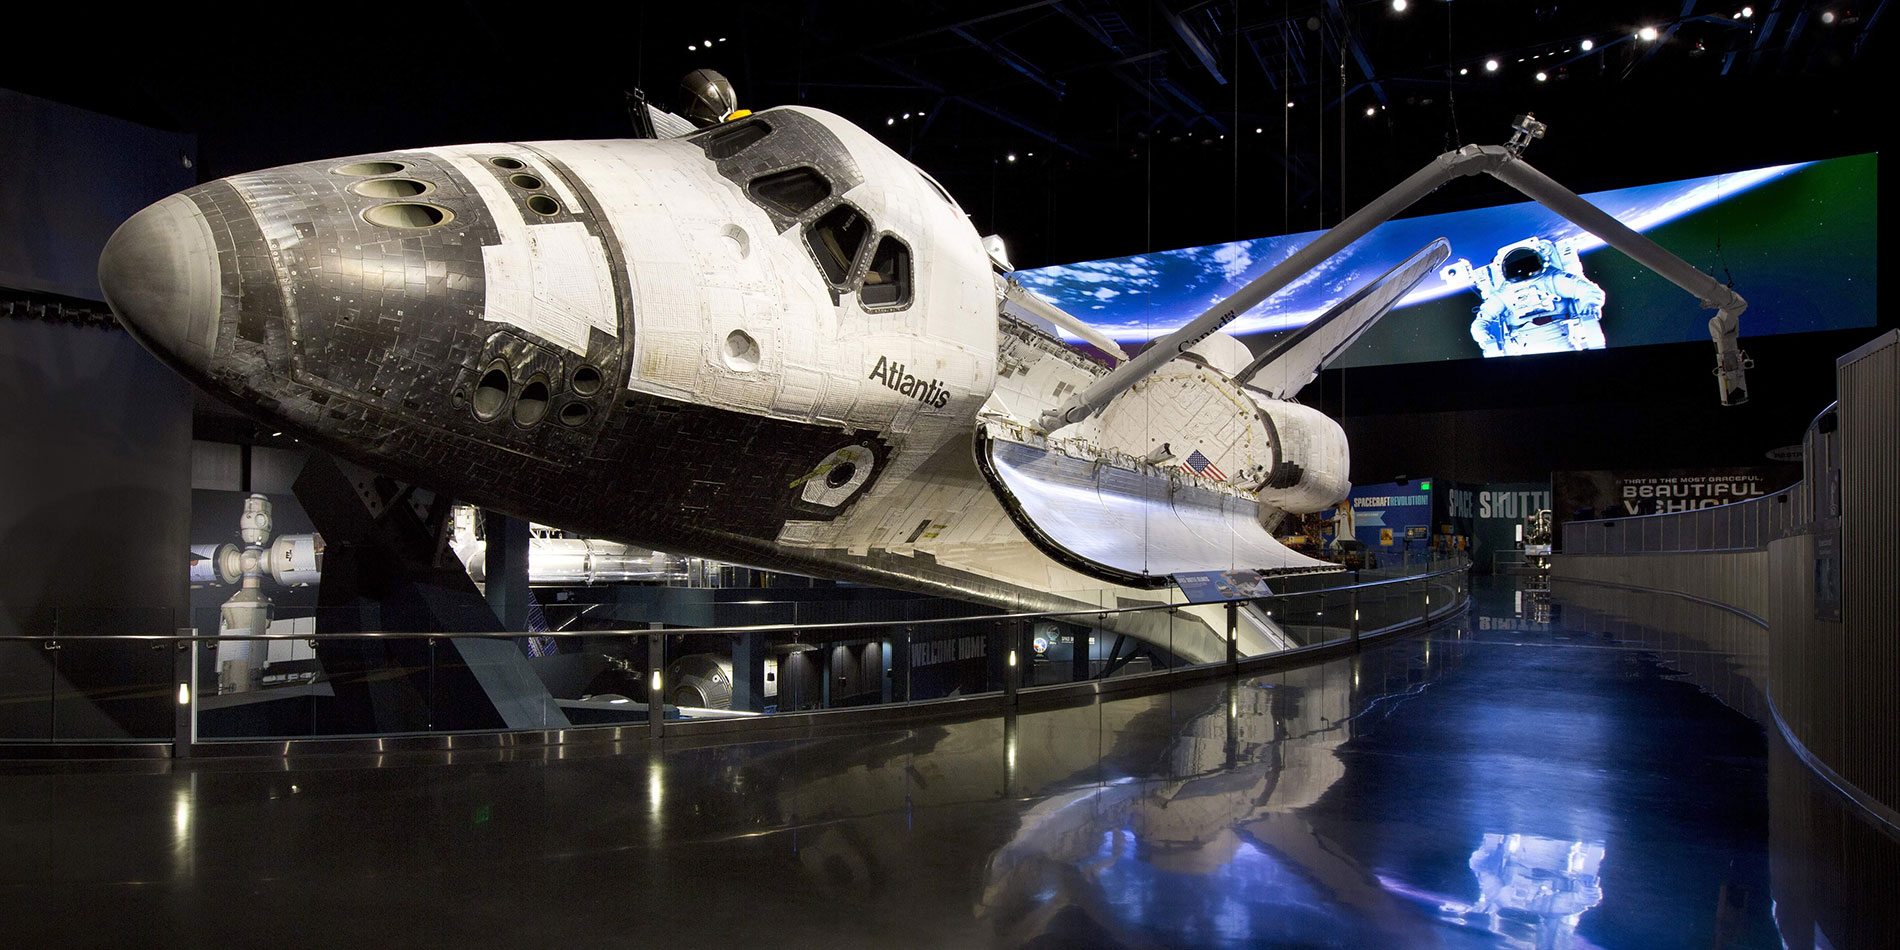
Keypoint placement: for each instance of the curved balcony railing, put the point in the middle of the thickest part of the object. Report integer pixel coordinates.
(87, 687)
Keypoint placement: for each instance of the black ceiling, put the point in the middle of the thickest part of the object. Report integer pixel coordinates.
(1134, 125)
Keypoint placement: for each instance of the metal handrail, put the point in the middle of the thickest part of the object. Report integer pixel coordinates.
(756, 628)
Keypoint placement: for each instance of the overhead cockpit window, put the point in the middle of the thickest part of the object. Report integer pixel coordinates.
(791, 192)
(723, 142)
(887, 283)
(939, 189)
(836, 239)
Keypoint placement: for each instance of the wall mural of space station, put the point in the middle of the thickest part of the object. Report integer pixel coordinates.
(1799, 240)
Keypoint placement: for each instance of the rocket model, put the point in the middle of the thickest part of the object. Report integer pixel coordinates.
(770, 340)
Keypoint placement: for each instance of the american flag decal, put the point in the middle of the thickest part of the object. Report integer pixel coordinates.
(1199, 465)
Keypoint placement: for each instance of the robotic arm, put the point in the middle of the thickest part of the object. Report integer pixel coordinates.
(1505, 163)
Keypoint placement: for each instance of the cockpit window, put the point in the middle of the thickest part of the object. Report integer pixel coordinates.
(887, 283)
(836, 239)
(791, 192)
(724, 141)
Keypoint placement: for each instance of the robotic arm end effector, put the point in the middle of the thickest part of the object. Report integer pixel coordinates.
(1731, 364)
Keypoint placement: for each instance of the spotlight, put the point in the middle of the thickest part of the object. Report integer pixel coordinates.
(1827, 16)
(690, 49)
(1541, 75)
(1398, 6)
(1588, 45)
(1490, 65)
(1647, 34)
(708, 44)
(1747, 12)
(1012, 156)
(1370, 111)
(1258, 131)
(906, 116)
(1289, 105)
(890, 121)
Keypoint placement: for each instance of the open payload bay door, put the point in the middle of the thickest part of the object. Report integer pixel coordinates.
(1294, 360)
(1116, 518)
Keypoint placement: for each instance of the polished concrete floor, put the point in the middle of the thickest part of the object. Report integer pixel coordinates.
(1503, 782)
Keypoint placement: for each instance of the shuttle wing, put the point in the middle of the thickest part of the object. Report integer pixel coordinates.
(1293, 361)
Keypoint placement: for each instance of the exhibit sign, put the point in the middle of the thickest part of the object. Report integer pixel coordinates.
(1618, 494)
(1385, 515)
(1206, 587)
(1798, 241)
(1497, 511)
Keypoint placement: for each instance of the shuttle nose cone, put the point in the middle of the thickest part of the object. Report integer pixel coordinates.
(159, 272)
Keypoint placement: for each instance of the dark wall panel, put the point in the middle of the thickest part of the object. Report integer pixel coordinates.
(67, 178)
(95, 500)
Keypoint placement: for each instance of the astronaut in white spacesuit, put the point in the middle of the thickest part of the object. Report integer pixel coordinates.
(1536, 300)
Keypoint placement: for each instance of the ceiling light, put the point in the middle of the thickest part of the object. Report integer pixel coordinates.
(1012, 156)
(690, 49)
(1398, 5)
(1541, 75)
(1647, 34)
(709, 44)
(1588, 45)
(1747, 12)
(1827, 16)
(907, 115)
(1258, 131)
(1462, 71)
(1490, 65)
(1289, 105)
(889, 121)
(1371, 111)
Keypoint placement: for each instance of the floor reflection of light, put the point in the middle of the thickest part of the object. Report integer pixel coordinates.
(656, 788)
(183, 860)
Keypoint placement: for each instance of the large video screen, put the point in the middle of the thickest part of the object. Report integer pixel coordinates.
(1798, 241)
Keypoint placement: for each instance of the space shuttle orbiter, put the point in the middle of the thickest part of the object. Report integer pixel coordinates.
(772, 341)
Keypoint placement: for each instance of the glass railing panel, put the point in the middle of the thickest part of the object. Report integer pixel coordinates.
(307, 676)
(113, 690)
(28, 671)
(102, 688)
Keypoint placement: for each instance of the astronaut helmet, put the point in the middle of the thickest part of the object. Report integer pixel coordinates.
(1527, 259)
